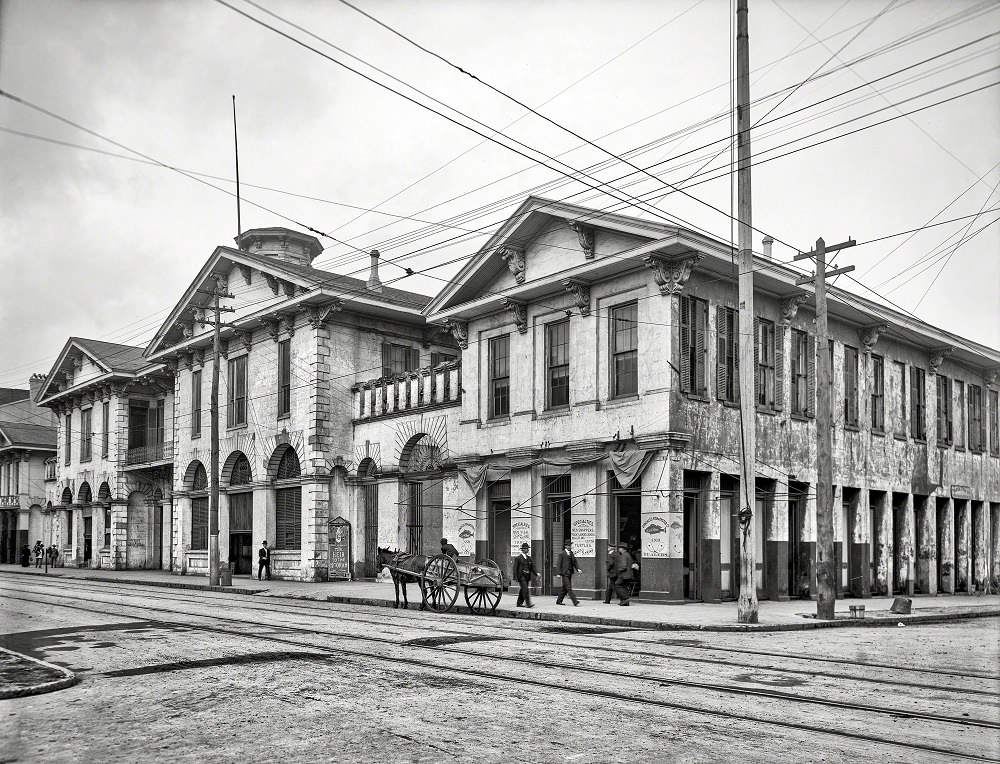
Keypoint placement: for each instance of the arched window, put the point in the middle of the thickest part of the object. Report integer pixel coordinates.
(67, 496)
(288, 467)
(288, 504)
(84, 496)
(241, 472)
(200, 480)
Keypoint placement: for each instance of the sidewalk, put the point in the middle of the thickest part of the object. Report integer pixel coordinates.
(793, 615)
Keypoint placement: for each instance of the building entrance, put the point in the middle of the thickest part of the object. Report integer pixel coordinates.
(558, 530)
(799, 554)
(691, 562)
(88, 543)
(498, 530)
(241, 533)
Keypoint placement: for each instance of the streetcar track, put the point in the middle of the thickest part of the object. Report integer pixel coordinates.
(602, 694)
(663, 681)
(434, 624)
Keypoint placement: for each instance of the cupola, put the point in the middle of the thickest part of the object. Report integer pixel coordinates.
(281, 244)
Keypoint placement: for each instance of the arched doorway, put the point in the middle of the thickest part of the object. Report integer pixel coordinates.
(367, 474)
(156, 553)
(138, 528)
(421, 493)
(84, 497)
(288, 501)
(65, 500)
(240, 494)
(196, 481)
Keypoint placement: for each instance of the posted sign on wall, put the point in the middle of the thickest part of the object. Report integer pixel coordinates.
(340, 550)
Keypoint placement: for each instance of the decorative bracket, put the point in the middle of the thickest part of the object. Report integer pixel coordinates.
(200, 316)
(273, 327)
(991, 376)
(790, 307)
(224, 348)
(186, 329)
(581, 295)
(221, 282)
(869, 335)
(460, 331)
(515, 260)
(518, 311)
(272, 281)
(246, 337)
(937, 355)
(671, 274)
(198, 358)
(318, 314)
(288, 324)
(171, 365)
(246, 271)
(431, 333)
(288, 287)
(586, 236)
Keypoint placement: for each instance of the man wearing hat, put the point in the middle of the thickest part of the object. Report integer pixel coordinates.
(567, 567)
(449, 549)
(524, 571)
(612, 569)
(623, 575)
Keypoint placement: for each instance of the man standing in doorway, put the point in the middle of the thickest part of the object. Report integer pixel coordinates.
(567, 567)
(524, 571)
(264, 560)
(612, 568)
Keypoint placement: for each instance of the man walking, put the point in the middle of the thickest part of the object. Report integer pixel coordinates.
(623, 575)
(612, 569)
(567, 567)
(264, 560)
(524, 571)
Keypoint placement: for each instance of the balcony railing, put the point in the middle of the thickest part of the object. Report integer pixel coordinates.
(409, 391)
(10, 501)
(50, 470)
(145, 454)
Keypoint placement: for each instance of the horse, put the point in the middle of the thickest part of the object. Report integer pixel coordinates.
(405, 569)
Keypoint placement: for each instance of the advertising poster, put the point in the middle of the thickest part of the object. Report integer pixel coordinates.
(583, 535)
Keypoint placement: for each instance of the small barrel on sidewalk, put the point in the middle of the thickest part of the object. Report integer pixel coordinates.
(857, 611)
(225, 576)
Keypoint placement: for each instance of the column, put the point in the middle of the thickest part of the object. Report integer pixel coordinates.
(980, 547)
(662, 527)
(710, 553)
(314, 564)
(807, 546)
(119, 533)
(963, 548)
(776, 546)
(97, 527)
(926, 545)
(182, 533)
(994, 547)
(882, 547)
(78, 540)
(945, 543)
(839, 538)
(859, 574)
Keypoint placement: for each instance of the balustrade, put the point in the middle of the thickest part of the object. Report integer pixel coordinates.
(409, 391)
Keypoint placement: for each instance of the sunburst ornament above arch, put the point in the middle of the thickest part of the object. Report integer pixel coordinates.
(422, 444)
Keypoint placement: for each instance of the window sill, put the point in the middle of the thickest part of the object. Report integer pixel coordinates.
(729, 404)
(921, 441)
(878, 433)
(195, 436)
(943, 444)
(613, 403)
(800, 417)
(286, 415)
(497, 422)
(236, 427)
(851, 428)
(960, 449)
(556, 412)
(700, 397)
(899, 436)
(84, 460)
(766, 411)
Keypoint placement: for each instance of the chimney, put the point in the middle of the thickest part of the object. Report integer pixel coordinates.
(35, 385)
(373, 284)
(768, 241)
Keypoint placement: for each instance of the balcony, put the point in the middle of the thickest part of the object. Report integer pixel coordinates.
(408, 392)
(158, 452)
(6, 502)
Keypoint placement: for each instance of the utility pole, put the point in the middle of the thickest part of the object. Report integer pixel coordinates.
(747, 607)
(826, 573)
(213, 508)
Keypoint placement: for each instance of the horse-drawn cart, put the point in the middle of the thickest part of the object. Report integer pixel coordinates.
(440, 577)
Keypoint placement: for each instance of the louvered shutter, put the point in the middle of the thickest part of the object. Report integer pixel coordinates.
(685, 344)
(811, 376)
(414, 362)
(779, 367)
(721, 372)
(915, 430)
(700, 329)
(756, 360)
(734, 341)
(288, 518)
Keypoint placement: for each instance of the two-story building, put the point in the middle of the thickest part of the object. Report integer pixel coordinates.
(27, 440)
(600, 404)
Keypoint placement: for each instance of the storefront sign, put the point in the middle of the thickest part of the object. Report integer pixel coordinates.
(466, 542)
(340, 550)
(961, 492)
(655, 537)
(583, 536)
(520, 533)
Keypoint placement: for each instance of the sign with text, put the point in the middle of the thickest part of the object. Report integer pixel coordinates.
(583, 536)
(340, 550)
(961, 492)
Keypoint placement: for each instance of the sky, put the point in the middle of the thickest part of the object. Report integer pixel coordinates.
(100, 238)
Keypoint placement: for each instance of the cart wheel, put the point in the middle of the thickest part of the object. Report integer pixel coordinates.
(483, 600)
(440, 583)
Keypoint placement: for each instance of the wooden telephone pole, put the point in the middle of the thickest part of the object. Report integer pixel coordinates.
(213, 509)
(747, 607)
(826, 573)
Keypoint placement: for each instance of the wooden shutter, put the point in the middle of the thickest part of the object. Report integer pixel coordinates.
(414, 360)
(734, 341)
(288, 518)
(811, 375)
(700, 330)
(915, 429)
(779, 367)
(756, 360)
(721, 372)
(386, 359)
(685, 344)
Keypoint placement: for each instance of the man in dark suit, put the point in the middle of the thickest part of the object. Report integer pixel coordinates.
(449, 549)
(264, 560)
(612, 568)
(524, 571)
(623, 575)
(567, 567)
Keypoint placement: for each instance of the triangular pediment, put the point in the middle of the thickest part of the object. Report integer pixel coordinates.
(545, 243)
(84, 360)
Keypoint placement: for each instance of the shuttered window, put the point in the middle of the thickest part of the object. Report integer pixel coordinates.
(196, 404)
(899, 398)
(86, 434)
(284, 378)
(918, 398)
(399, 359)
(625, 350)
(977, 424)
(944, 410)
(241, 511)
(798, 373)
(850, 386)
(105, 429)
(994, 423)
(199, 523)
(727, 328)
(693, 345)
(878, 393)
(236, 411)
(288, 518)
(766, 363)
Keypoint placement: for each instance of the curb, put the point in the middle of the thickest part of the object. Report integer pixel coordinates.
(959, 614)
(67, 680)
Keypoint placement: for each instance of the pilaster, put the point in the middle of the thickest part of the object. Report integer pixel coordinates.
(882, 548)
(859, 574)
(662, 526)
(906, 537)
(710, 553)
(945, 544)
(980, 547)
(963, 546)
(776, 548)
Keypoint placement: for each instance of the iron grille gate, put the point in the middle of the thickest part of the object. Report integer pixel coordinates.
(415, 518)
(371, 528)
